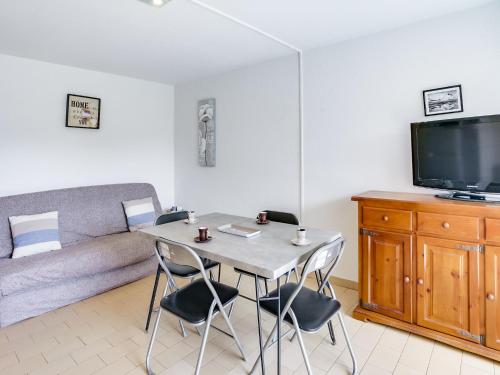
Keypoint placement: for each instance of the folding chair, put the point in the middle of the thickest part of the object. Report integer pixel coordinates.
(197, 303)
(307, 310)
(179, 271)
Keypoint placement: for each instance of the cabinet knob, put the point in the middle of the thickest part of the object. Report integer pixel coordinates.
(490, 297)
(420, 281)
(385, 218)
(406, 280)
(446, 225)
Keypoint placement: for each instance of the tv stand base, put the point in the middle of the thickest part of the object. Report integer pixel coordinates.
(467, 197)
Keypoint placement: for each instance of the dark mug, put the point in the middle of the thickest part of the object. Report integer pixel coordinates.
(262, 216)
(203, 233)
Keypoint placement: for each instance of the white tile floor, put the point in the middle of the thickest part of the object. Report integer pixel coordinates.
(104, 335)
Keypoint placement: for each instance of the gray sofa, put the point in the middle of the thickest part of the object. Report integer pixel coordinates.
(99, 253)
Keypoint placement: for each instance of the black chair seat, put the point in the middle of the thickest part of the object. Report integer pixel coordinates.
(311, 308)
(188, 271)
(192, 303)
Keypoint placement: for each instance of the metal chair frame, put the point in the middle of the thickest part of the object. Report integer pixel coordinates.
(183, 251)
(173, 285)
(329, 259)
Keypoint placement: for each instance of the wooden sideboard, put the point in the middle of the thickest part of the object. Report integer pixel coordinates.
(431, 266)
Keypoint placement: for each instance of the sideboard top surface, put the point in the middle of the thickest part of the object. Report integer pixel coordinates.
(427, 203)
(416, 198)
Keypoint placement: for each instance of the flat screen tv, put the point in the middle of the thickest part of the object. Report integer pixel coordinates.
(458, 155)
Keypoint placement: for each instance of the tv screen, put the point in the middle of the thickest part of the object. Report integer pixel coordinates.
(458, 154)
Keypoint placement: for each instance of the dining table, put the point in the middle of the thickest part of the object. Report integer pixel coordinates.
(268, 255)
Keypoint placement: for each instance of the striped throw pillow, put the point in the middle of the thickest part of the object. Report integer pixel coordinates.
(35, 234)
(140, 213)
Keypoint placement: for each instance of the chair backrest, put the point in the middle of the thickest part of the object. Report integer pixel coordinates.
(282, 217)
(326, 256)
(171, 217)
(174, 252)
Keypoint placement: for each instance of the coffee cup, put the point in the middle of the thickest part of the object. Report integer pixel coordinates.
(301, 235)
(203, 233)
(262, 216)
(191, 216)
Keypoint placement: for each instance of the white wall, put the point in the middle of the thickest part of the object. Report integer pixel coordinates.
(37, 151)
(257, 142)
(361, 96)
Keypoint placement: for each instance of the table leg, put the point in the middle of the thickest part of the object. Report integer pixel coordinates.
(153, 297)
(278, 322)
(259, 323)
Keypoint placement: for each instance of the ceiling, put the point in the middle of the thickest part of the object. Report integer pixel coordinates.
(182, 42)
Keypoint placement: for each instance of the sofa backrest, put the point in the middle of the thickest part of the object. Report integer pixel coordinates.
(84, 212)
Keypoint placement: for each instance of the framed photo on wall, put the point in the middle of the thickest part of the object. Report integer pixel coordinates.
(443, 100)
(206, 133)
(83, 112)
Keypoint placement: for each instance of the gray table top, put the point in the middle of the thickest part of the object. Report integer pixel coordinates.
(270, 254)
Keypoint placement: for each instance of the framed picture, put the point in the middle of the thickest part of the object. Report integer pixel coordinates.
(83, 112)
(443, 100)
(206, 133)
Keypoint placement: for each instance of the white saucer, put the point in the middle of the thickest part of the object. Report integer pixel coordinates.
(192, 222)
(301, 243)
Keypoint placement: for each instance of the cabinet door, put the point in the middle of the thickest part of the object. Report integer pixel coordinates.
(448, 282)
(492, 285)
(387, 274)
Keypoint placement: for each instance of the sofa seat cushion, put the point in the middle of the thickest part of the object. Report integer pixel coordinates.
(86, 258)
